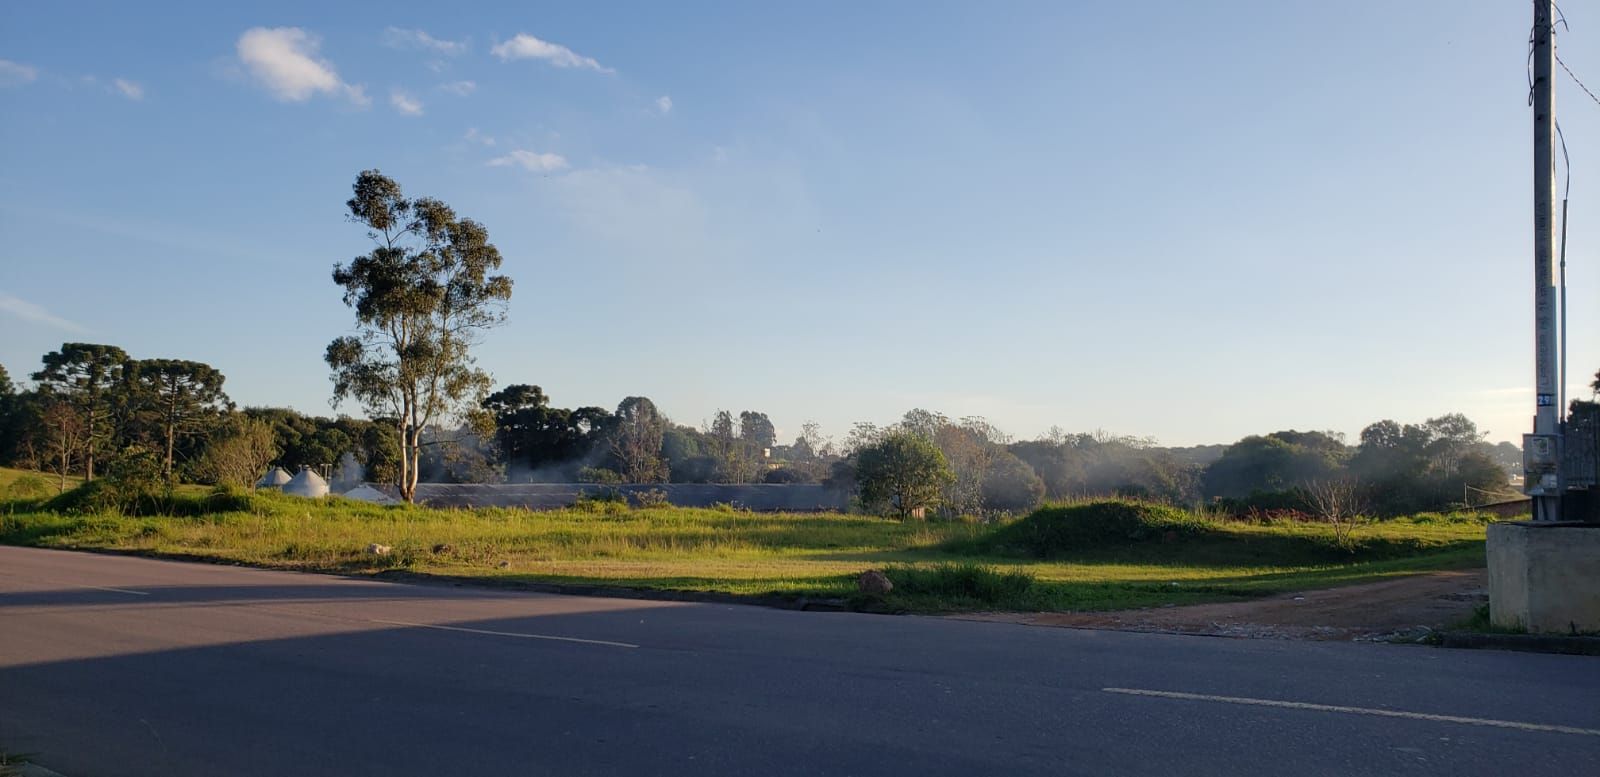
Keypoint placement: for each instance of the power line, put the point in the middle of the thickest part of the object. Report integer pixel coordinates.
(1577, 81)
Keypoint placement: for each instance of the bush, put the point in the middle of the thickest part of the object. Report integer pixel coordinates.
(650, 497)
(961, 582)
(783, 475)
(1011, 485)
(1058, 530)
(134, 484)
(27, 487)
(604, 500)
(599, 475)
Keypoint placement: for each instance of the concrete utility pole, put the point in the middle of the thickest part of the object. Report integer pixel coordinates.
(1542, 449)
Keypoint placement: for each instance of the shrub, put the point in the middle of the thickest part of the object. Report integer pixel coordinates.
(1011, 485)
(650, 497)
(1057, 530)
(27, 487)
(783, 475)
(604, 500)
(961, 582)
(599, 475)
(135, 482)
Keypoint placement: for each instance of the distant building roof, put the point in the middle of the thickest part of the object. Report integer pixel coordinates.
(366, 493)
(275, 478)
(307, 484)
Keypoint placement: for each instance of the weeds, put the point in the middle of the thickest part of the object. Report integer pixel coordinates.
(1089, 555)
(960, 585)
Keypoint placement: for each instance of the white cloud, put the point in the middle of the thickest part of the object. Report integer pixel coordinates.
(16, 73)
(405, 103)
(531, 161)
(398, 38)
(129, 89)
(664, 104)
(525, 46)
(284, 60)
(460, 88)
(474, 136)
(27, 311)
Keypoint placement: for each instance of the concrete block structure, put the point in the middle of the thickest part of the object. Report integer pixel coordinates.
(1545, 576)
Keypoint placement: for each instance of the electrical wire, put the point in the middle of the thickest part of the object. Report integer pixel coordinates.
(1575, 80)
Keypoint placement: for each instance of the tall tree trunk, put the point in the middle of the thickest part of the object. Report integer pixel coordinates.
(405, 463)
(88, 450)
(170, 433)
(412, 464)
(65, 460)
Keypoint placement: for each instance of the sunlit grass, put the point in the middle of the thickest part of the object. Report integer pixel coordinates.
(811, 555)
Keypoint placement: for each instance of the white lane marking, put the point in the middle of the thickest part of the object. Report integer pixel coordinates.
(504, 633)
(109, 588)
(81, 585)
(1299, 705)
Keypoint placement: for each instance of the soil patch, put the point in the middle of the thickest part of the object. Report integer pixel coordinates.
(1406, 608)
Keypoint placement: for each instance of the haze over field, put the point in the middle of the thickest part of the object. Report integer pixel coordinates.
(1193, 222)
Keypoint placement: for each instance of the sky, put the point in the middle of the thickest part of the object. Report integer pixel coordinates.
(1186, 221)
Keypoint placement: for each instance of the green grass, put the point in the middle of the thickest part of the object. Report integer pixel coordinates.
(727, 551)
(48, 480)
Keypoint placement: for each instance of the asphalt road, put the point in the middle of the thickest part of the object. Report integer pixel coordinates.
(119, 667)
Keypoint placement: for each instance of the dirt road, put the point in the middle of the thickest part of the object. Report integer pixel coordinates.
(1405, 606)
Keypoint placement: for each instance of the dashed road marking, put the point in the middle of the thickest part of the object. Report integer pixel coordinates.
(1300, 705)
(109, 588)
(519, 635)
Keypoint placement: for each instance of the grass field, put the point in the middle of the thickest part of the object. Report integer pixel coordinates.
(50, 481)
(813, 555)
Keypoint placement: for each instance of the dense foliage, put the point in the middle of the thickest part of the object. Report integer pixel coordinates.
(92, 405)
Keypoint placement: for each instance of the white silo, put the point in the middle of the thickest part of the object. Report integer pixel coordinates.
(307, 484)
(275, 478)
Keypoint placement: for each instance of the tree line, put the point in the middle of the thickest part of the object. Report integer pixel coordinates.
(90, 405)
(428, 287)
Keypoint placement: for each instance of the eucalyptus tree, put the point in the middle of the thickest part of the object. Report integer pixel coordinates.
(636, 441)
(422, 297)
(89, 378)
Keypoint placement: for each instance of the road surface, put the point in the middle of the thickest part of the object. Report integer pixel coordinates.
(119, 667)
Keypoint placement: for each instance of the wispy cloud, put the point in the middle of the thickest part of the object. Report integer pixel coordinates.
(16, 73)
(27, 311)
(531, 161)
(129, 89)
(525, 46)
(284, 60)
(405, 103)
(474, 136)
(418, 40)
(664, 104)
(459, 88)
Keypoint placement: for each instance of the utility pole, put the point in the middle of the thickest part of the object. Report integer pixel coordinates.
(1542, 450)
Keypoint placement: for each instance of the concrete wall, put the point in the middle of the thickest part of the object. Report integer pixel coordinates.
(1545, 577)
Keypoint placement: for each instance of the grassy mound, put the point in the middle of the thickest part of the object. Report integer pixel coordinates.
(104, 496)
(1060, 530)
(1146, 533)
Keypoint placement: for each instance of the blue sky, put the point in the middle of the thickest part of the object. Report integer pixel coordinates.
(1182, 220)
